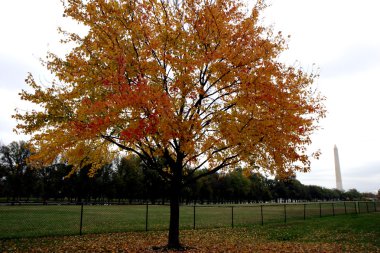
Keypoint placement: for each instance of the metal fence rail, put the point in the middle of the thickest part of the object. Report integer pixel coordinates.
(25, 220)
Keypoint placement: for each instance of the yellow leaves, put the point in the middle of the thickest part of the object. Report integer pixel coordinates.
(201, 81)
(223, 240)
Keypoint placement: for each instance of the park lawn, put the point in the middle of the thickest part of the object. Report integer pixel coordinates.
(343, 233)
(55, 220)
(59, 220)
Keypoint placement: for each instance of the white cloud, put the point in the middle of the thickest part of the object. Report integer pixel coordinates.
(358, 58)
(341, 37)
(322, 30)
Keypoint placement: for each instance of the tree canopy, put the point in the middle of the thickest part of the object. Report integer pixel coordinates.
(185, 85)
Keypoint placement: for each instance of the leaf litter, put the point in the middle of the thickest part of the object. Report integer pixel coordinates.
(210, 241)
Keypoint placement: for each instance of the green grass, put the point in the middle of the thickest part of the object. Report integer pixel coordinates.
(29, 221)
(36, 221)
(342, 233)
(358, 228)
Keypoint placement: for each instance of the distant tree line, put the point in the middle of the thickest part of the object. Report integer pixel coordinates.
(127, 180)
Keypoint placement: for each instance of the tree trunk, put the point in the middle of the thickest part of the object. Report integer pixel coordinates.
(175, 193)
(173, 242)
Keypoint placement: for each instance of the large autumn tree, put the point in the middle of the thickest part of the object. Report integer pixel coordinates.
(185, 85)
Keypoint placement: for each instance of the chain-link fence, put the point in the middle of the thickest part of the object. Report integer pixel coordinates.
(26, 220)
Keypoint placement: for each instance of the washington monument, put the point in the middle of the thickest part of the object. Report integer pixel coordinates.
(338, 176)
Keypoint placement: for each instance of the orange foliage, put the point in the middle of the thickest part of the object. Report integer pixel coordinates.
(195, 82)
(198, 82)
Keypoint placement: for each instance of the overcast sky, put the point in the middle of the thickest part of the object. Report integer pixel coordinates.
(341, 37)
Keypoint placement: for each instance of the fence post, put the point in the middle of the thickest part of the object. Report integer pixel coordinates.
(232, 216)
(262, 216)
(304, 211)
(81, 219)
(333, 208)
(345, 208)
(366, 203)
(146, 216)
(374, 204)
(285, 212)
(320, 210)
(194, 217)
(357, 207)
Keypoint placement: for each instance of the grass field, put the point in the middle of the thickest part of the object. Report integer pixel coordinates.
(36, 221)
(343, 233)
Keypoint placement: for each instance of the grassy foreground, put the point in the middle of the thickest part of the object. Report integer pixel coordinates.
(346, 233)
(60, 220)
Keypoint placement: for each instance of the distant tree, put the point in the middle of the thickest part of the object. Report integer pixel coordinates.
(353, 194)
(368, 195)
(130, 178)
(296, 190)
(51, 183)
(236, 186)
(13, 159)
(259, 188)
(3, 174)
(207, 189)
(194, 82)
(337, 194)
(315, 192)
(281, 190)
(105, 184)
